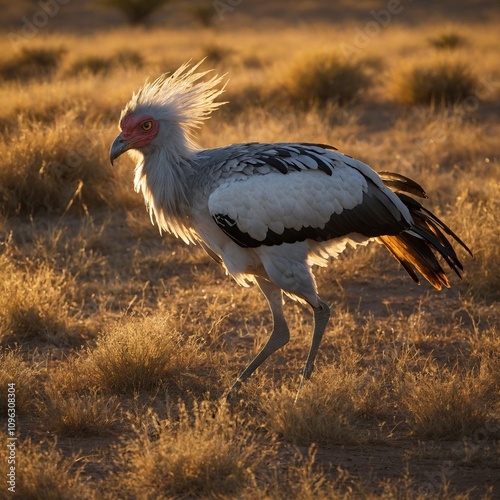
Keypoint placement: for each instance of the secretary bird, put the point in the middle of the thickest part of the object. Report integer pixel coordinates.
(269, 212)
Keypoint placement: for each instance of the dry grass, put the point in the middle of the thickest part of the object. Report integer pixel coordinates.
(203, 13)
(44, 472)
(14, 370)
(302, 478)
(203, 453)
(321, 77)
(143, 354)
(477, 208)
(47, 169)
(35, 306)
(325, 410)
(448, 40)
(135, 12)
(31, 64)
(401, 367)
(79, 413)
(102, 65)
(440, 81)
(446, 405)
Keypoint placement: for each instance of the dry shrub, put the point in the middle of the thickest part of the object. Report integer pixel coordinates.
(448, 40)
(46, 167)
(43, 472)
(204, 453)
(445, 405)
(325, 409)
(13, 369)
(475, 217)
(142, 354)
(319, 78)
(92, 65)
(79, 414)
(215, 53)
(35, 305)
(203, 13)
(435, 82)
(31, 63)
(135, 11)
(303, 478)
(95, 65)
(89, 101)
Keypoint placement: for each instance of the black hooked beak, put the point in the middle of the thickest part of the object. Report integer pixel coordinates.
(119, 146)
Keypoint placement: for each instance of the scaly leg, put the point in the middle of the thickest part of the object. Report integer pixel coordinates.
(321, 317)
(279, 336)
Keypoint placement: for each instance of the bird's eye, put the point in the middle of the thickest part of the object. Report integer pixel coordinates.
(147, 126)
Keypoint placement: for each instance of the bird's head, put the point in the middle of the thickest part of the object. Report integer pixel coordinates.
(138, 131)
(164, 114)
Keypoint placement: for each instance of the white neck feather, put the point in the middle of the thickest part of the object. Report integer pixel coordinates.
(163, 177)
(180, 103)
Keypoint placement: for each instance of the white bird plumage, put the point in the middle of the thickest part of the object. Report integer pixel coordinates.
(180, 97)
(268, 212)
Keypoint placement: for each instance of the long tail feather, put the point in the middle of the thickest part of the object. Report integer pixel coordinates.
(416, 254)
(399, 182)
(416, 247)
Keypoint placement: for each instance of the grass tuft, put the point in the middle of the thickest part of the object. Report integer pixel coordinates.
(447, 405)
(34, 305)
(31, 63)
(144, 354)
(437, 82)
(14, 370)
(79, 414)
(475, 209)
(303, 478)
(215, 53)
(50, 167)
(44, 472)
(447, 40)
(318, 78)
(135, 11)
(95, 65)
(204, 453)
(325, 409)
(202, 13)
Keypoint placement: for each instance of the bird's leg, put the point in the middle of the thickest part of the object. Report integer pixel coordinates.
(279, 336)
(321, 317)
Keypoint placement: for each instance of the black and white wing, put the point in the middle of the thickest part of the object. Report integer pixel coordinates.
(293, 192)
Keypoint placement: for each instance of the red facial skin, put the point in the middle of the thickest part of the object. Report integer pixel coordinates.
(133, 132)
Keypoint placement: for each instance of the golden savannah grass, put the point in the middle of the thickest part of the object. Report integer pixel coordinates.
(122, 343)
(203, 452)
(47, 473)
(142, 354)
(444, 81)
(79, 414)
(13, 369)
